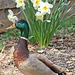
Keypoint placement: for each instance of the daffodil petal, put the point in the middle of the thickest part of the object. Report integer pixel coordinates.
(10, 12)
(44, 7)
(39, 16)
(35, 3)
(20, 3)
(11, 16)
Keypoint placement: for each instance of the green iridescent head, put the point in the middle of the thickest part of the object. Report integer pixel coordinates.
(22, 25)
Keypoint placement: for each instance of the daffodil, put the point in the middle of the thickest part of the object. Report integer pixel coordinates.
(39, 16)
(36, 3)
(11, 16)
(20, 3)
(45, 7)
(11, 12)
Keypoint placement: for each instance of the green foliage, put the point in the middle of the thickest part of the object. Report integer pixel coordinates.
(2, 43)
(42, 32)
(67, 27)
(73, 36)
(9, 35)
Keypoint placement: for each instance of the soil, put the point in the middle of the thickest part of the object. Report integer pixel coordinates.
(61, 51)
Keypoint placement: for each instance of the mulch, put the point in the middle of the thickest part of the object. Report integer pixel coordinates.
(61, 51)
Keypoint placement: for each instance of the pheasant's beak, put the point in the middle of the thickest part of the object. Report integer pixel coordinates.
(11, 27)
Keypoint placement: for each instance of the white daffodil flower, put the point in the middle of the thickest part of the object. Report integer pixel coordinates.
(20, 3)
(11, 16)
(39, 16)
(10, 12)
(45, 7)
(35, 3)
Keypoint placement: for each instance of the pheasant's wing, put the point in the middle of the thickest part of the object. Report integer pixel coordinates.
(48, 63)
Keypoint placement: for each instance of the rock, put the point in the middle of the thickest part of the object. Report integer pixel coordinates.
(7, 4)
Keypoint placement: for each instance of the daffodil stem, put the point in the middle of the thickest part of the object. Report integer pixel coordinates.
(23, 13)
(41, 35)
(25, 16)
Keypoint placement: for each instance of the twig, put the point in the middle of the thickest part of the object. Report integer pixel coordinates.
(17, 13)
(3, 49)
(2, 57)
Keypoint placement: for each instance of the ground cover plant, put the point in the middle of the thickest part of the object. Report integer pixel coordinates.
(67, 27)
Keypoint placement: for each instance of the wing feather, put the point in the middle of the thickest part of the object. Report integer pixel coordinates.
(48, 63)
